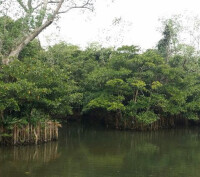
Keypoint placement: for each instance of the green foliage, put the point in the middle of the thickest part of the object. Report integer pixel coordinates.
(110, 103)
(129, 85)
(10, 32)
(33, 86)
(32, 50)
(155, 85)
(139, 84)
(147, 117)
(150, 87)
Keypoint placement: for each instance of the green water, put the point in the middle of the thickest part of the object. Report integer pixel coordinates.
(95, 152)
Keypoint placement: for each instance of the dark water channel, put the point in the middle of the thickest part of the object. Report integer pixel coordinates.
(96, 152)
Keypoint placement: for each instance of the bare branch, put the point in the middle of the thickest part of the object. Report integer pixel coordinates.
(45, 2)
(22, 5)
(87, 5)
(39, 5)
(53, 2)
(30, 4)
(49, 2)
(57, 9)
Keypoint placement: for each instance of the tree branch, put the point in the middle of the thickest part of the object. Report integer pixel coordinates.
(39, 5)
(15, 52)
(87, 5)
(30, 4)
(44, 20)
(43, 12)
(22, 5)
(53, 2)
(49, 2)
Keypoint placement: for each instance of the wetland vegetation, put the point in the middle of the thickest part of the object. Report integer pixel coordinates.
(122, 88)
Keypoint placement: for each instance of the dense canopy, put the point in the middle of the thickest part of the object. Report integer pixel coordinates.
(124, 87)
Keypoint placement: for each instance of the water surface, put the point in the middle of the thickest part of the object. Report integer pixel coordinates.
(97, 152)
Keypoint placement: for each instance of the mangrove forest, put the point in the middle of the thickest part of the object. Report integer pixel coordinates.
(118, 87)
(101, 109)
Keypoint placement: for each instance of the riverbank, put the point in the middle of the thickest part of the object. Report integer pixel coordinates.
(29, 133)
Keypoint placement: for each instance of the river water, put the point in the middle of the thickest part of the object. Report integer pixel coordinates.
(97, 152)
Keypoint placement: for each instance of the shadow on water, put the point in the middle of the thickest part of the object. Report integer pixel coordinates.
(99, 152)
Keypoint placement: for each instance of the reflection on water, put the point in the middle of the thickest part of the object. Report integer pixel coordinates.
(92, 152)
(43, 153)
(23, 160)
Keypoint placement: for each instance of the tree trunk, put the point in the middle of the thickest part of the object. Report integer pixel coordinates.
(136, 94)
(118, 118)
(15, 52)
(2, 116)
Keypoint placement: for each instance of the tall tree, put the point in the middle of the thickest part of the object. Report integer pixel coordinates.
(168, 45)
(35, 16)
(164, 43)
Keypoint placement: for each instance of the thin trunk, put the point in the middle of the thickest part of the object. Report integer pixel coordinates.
(136, 94)
(2, 116)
